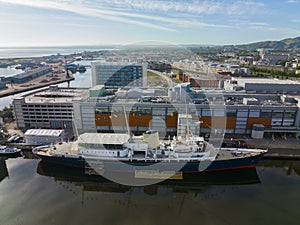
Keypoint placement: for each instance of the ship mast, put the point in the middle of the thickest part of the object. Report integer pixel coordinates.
(187, 123)
(127, 123)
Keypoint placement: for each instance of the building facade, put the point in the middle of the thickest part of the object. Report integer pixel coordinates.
(50, 108)
(115, 75)
(234, 114)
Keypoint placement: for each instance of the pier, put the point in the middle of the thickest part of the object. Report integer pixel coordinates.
(40, 82)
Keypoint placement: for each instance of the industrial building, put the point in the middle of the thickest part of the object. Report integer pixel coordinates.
(264, 85)
(216, 110)
(114, 75)
(26, 76)
(51, 108)
(44, 136)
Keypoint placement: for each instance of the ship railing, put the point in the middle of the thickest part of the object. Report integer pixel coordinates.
(150, 159)
(244, 150)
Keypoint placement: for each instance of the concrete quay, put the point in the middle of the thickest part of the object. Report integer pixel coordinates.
(39, 82)
(278, 148)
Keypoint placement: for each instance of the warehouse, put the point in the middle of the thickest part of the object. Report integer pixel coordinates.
(26, 76)
(44, 136)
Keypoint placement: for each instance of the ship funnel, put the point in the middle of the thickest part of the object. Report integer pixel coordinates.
(151, 137)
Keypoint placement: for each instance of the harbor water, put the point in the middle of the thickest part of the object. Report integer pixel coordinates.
(33, 193)
(82, 80)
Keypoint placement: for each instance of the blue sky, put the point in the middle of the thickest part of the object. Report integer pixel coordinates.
(91, 22)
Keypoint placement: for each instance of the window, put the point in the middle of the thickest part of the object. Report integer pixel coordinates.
(242, 113)
(266, 115)
(277, 115)
(231, 112)
(254, 113)
(289, 114)
(206, 112)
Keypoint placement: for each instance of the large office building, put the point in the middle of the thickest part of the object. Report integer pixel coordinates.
(50, 108)
(117, 74)
(215, 110)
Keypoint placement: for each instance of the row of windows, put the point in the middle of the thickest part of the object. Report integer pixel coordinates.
(49, 110)
(47, 106)
(47, 114)
(200, 112)
(101, 146)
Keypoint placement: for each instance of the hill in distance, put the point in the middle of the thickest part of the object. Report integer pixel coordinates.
(285, 44)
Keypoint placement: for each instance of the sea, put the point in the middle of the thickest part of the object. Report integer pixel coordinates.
(23, 52)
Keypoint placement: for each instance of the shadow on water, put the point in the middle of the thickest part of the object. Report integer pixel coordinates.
(189, 184)
(3, 169)
(288, 166)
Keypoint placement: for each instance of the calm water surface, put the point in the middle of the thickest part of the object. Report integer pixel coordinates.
(19, 52)
(34, 193)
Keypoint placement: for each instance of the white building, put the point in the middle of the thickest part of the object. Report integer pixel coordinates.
(44, 136)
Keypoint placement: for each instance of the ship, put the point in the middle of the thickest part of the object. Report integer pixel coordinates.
(9, 151)
(63, 153)
(146, 156)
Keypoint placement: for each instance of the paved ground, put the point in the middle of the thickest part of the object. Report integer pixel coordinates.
(12, 129)
(38, 82)
(278, 147)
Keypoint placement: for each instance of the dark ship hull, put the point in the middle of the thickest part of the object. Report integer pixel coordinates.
(184, 167)
(63, 161)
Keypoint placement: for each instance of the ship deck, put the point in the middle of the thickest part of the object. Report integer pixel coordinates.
(64, 148)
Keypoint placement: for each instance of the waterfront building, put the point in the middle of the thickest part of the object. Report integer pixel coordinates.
(44, 136)
(233, 113)
(26, 76)
(50, 108)
(119, 74)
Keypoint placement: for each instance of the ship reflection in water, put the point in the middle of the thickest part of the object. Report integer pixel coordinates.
(189, 184)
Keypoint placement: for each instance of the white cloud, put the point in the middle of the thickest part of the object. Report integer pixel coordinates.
(81, 9)
(206, 7)
(114, 10)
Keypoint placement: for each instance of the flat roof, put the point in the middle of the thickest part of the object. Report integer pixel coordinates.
(44, 132)
(97, 87)
(62, 95)
(243, 81)
(103, 138)
(31, 72)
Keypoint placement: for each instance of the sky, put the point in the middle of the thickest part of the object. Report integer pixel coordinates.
(107, 22)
